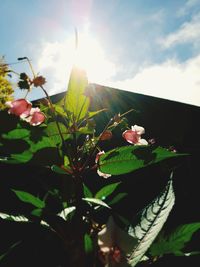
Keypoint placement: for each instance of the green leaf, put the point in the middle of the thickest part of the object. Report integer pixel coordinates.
(22, 157)
(53, 134)
(29, 198)
(130, 158)
(86, 130)
(9, 250)
(37, 212)
(151, 221)
(17, 134)
(117, 198)
(95, 201)
(64, 213)
(75, 102)
(58, 170)
(92, 114)
(88, 244)
(87, 192)
(106, 191)
(175, 241)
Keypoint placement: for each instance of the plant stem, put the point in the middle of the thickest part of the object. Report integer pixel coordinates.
(95, 147)
(53, 113)
(78, 222)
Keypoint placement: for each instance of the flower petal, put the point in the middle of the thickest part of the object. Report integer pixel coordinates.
(142, 142)
(19, 107)
(98, 156)
(104, 175)
(139, 129)
(131, 136)
(37, 118)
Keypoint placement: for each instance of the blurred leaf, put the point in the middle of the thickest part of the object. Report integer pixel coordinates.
(58, 170)
(75, 102)
(86, 130)
(53, 134)
(59, 110)
(130, 158)
(22, 157)
(106, 191)
(29, 198)
(117, 198)
(17, 134)
(87, 192)
(9, 250)
(88, 244)
(187, 254)
(175, 241)
(37, 212)
(91, 114)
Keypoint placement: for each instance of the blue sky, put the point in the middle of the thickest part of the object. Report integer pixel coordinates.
(145, 46)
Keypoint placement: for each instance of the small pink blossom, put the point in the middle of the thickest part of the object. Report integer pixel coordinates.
(98, 156)
(104, 175)
(23, 109)
(35, 118)
(133, 136)
(19, 107)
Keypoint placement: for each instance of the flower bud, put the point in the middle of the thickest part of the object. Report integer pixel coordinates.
(106, 135)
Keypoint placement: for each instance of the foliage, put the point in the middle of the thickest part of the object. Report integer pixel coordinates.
(174, 242)
(62, 138)
(6, 89)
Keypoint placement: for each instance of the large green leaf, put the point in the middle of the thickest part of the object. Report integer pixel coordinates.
(130, 158)
(53, 133)
(29, 198)
(151, 221)
(17, 134)
(33, 147)
(106, 191)
(174, 242)
(75, 102)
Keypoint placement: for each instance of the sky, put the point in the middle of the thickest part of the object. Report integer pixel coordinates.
(150, 47)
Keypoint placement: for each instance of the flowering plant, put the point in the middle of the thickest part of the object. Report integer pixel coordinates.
(67, 130)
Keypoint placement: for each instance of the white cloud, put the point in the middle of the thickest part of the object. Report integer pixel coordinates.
(170, 80)
(189, 32)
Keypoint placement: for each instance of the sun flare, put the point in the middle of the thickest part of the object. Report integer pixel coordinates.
(58, 58)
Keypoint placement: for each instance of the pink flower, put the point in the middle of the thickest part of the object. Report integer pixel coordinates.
(23, 109)
(133, 136)
(98, 156)
(19, 107)
(36, 117)
(104, 175)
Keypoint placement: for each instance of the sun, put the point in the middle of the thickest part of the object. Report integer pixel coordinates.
(91, 57)
(57, 59)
